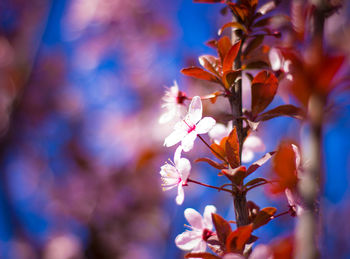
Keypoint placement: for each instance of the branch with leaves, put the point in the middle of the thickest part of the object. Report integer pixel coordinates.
(244, 53)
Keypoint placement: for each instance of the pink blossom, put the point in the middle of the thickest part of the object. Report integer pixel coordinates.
(201, 229)
(251, 144)
(278, 62)
(187, 130)
(176, 175)
(173, 103)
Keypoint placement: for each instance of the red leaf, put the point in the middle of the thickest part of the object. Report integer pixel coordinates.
(201, 255)
(330, 67)
(219, 150)
(256, 65)
(211, 162)
(199, 73)
(283, 249)
(223, 228)
(240, 11)
(255, 181)
(236, 25)
(284, 166)
(253, 167)
(212, 43)
(236, 175)
(238, 238)
(224, 45)
(263, 217)
(253, 44)
(230, 57)
(230, 76)
(282, 110)
(210, 63)
(264, 88)
(232, 149)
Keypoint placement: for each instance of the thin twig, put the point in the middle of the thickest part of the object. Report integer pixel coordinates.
(207, 185)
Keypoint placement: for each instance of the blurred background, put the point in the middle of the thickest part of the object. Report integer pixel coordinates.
(80, 145)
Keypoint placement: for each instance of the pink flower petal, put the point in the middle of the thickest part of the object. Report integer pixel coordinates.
(177, 154)
(218, 132)
(290, 197)
(297, 155)
(188, 141)
(207, 219)
(201, 247)
(188, 240)
(184, 167)
(204, 125)
(195, 110)
(254, 143)
(180, 195)
(247, 155)
(194, 218)
(275, 58)
(174, 138)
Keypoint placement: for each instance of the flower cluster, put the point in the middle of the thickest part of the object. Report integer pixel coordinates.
(176, 174)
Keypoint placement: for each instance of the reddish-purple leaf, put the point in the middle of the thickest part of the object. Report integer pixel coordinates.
(212, 43)
(253, 44)
(232, 149)
(257, 65)
(260, 162)
(199, 73)
(282, 110)
(223, 228)
(263, 217)
(230, 57)
(210, 63)
(240, 11)
(219, 150)
(255, 181)
(236, 175)
(211, 162)
(284, 166)
(237, 239)
(224, 45)
(264, 88)
(235, 25)
(230, 76)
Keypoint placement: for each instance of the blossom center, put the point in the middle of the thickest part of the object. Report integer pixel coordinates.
(206, 234)
(190, 128)
(180, 98)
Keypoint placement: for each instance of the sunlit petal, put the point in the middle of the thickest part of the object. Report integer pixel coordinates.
(174, 138)
(180, 195)
(207, 219)
(188, 240)
(204, 125)
(188, 141)
(194, 218)
(195, 110)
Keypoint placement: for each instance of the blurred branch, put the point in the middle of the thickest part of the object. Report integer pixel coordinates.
(310, 183)
(26, 42)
